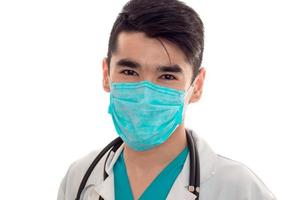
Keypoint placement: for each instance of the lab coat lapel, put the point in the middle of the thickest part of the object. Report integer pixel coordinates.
(106, 188)
(179, 189)
(208, 160)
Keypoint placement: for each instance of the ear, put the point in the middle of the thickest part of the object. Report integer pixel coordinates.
(198, 86)
(105, 71)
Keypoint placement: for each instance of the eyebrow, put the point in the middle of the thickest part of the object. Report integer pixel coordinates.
(175, 68)
(171, 68)
(128, 63)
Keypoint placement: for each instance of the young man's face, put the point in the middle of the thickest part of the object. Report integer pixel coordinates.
(139, 58)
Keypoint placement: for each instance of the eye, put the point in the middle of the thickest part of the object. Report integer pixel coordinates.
(168, 77)
(129, 72)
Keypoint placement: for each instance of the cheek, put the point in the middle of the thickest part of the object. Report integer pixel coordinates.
(178, 85)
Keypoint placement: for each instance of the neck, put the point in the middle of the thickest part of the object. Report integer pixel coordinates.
(158, 156)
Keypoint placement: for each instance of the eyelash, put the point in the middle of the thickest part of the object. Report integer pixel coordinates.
(126, 71)
(173, 77)
(131, 72)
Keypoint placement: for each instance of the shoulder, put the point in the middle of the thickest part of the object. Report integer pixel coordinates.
(240, 180)
(78, 168)
(76, 171)
(224, 178)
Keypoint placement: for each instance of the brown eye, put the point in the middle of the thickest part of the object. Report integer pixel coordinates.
(168, 77)
(129, 72)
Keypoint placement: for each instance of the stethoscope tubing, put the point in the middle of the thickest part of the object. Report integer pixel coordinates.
(194, 178)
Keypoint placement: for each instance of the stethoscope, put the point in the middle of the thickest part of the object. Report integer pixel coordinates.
(194, 179)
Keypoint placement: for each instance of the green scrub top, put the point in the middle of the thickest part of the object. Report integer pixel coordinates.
(159, 187)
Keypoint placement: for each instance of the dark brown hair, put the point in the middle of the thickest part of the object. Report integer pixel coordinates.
(172, 20)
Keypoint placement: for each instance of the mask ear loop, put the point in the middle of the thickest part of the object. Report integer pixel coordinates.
(188, 95)
(110, 82)
(191, 88)
(192, 84)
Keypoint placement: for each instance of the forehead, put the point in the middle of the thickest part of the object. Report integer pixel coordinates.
(149, 52)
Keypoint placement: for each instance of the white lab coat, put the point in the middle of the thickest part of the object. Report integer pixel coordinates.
(221, 179)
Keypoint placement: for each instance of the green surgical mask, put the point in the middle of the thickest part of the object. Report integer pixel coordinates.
(146, 114)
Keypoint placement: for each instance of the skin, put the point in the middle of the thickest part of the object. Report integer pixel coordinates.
(143, 166)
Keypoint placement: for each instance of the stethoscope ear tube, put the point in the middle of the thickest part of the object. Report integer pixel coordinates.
(197, 173)
(93, 165)
(190, 143)
(194, 181)
(117, 144)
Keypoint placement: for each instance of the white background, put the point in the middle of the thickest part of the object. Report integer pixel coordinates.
(53, 109)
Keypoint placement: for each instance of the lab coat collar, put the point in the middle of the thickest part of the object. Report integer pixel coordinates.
(106, 188)
(179, 189)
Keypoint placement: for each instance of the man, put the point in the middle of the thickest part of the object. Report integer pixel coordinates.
(152, 72)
